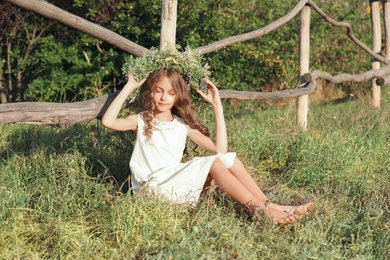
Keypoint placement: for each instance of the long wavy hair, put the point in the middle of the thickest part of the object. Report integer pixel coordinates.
(182, 107)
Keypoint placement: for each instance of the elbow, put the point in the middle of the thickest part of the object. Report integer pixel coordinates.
(220, 148)
(223, 150)
(106, 123)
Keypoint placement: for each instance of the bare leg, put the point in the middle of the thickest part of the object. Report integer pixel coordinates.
(229, 184)
(242, 175)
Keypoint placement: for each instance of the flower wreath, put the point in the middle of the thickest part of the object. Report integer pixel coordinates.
(190, 64)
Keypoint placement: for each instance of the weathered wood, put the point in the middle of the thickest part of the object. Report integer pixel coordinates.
(55, 114)
(66, 114)
(3, 92)
(168, 23)
(252, 95)
(386, 11)
(306, 78)
(368, 75)
(385, 82)
(380, 81)
(52, 12)
(386, 8)
(376, 47)
(304, 60)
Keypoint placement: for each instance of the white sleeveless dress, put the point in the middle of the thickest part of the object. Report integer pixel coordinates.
(156, 163)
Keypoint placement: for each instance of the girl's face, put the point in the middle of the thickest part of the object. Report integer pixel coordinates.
(164, 96)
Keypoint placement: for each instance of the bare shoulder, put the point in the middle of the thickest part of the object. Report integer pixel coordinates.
(123, 124)
(133, 117)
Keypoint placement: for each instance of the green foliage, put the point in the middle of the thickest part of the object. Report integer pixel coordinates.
(332, 50)
(66, 65)
(61, 191)
(259, 64)
(72, 72)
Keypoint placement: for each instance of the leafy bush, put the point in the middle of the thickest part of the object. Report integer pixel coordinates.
(67, 65)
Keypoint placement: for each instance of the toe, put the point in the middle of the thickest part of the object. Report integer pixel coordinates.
(287, 220)
(303, 209)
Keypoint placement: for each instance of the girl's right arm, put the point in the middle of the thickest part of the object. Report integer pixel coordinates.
(110, 118)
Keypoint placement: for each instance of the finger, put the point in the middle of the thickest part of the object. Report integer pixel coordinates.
(142, 81)
(210, 83)
(201, 93)
(204, 96)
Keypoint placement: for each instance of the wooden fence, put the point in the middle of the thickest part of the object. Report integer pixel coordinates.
(64, 115)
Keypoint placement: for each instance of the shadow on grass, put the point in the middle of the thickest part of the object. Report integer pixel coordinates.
(106, 152)
(341, 100)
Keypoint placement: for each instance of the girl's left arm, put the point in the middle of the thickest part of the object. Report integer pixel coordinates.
(220, 144)
(220, 133)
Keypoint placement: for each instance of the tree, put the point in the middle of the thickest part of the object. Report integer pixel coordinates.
(120, 42)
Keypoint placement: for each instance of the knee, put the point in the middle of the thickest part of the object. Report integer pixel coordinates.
(218, 169)
(218, 166)
(218, 163)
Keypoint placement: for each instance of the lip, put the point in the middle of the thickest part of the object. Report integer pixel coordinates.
(162, 104)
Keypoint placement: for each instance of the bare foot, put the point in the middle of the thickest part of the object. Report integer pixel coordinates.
(277, 216)
(295, 210)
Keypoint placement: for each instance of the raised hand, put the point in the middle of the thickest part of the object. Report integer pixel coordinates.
(212, 93)
(131, 82)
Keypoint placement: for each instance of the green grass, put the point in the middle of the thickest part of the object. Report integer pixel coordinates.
(63, 191)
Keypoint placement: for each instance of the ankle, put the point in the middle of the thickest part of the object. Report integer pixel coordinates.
(256, 207)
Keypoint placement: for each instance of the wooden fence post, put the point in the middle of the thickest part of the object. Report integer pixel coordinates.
(304, 59)
(376, 47)
(386, 8)
(168, 23)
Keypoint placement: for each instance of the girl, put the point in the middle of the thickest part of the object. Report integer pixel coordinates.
(162, 128)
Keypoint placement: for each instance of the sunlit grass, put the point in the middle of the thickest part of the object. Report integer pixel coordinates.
(63, 191)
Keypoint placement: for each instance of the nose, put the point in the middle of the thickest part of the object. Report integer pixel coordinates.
(163, 97)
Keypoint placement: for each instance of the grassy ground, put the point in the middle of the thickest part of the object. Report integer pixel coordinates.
(61, 191)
